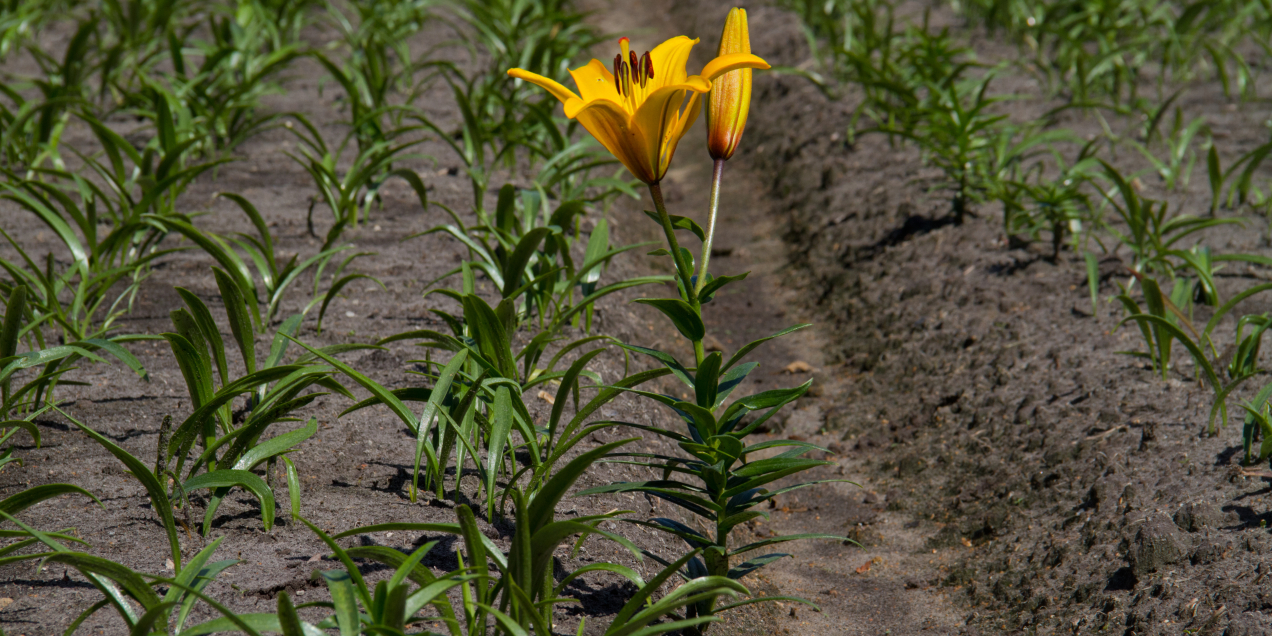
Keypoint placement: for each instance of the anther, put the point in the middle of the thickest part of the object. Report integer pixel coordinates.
(618, 72)
(635, 68)
(649, 66)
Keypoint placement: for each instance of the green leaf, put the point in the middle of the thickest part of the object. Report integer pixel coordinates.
(276, 445)
(240, 320)
(750, 547)
(501, 428)
(701, 419)
(344, 601)
(278, 347)
(449, 528)
(406, 394)
(681, 223)
(569, 382)
(681, 314)
(258, 622)
(226, 478)
(194, 368)
(13, 310)
(399, 409)
(732, 379)
(335, 288)
(716, 283)
(262, 228)
(429, 415)
(706, 382)
(1093, 281)
(638, 601)
(516, 264)
(147, 621)
(492, 340)
(612, 568)
(208, 327)
(772, 399)
(505, 209)
(597, 246)
(750, 346)
(293, 487)
(546, 500)
(667, 359)
(158, 492)
(133, 584)
(15, 503)
(288, 621)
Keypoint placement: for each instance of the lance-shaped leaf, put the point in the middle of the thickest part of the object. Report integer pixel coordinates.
(492, 338)
(681, 314)
(750, 346)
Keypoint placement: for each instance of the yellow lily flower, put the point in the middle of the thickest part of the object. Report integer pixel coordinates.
(639, 112)
(730, 98)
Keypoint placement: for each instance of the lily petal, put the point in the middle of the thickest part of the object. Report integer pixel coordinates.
(670, 59)
(660, 122)
(595, 82)
(610, 123)
(678, 131)
(552, 86)
(725, 63)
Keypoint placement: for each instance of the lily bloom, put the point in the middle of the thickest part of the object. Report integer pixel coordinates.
(730, 98)
(641, 109)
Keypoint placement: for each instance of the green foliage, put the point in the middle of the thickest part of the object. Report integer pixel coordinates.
(111, 227)
(349, 194)
(1150, 231)
(715, 480)
(121, 586)
(196, 78)
(528, 254)
(1100, 50)
(502, 118)
(274, 278)
(231, 448)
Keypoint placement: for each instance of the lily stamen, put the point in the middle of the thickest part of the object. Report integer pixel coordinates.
(632, 72)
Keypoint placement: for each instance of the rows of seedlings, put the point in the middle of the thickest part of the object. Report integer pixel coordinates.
(1041, 238)
(246, 240)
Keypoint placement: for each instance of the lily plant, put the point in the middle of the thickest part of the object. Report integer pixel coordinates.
(640, 110)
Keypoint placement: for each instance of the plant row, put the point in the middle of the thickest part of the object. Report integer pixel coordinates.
(196, 76)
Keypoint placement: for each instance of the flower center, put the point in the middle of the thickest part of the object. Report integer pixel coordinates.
(632, 74)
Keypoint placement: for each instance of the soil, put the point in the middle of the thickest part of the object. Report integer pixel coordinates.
(1013, 473)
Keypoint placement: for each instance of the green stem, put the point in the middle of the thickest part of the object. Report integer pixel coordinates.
(685, 272)
(716, 174)
(686, 275)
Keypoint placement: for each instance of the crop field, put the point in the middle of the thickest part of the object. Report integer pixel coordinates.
(479, 317)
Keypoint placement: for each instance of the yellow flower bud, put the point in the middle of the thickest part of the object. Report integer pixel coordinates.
(730, 98)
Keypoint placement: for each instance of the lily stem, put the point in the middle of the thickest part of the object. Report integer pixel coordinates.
(716, 174)
(685, 272)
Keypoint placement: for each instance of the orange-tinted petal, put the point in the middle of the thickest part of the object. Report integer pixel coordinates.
(730, 99)
(677, 132)
(660, 122)
(552, 86)
(610, 124)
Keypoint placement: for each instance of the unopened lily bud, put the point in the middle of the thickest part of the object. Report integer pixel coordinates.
(730, 98)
